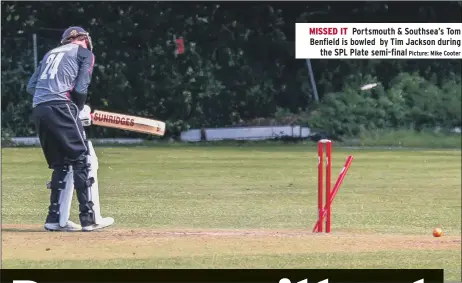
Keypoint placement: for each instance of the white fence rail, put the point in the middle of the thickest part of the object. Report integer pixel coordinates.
(246, 133)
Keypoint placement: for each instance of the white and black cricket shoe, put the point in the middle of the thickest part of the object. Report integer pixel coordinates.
(70, 227)
(105, 222)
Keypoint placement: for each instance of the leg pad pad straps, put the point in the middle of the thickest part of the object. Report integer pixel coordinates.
(83, 186)
(58, 185)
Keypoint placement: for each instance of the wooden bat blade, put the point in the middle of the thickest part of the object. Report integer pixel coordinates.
(128, 122)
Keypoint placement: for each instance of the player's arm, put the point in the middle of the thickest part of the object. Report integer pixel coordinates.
(33, 80)
(86, 61)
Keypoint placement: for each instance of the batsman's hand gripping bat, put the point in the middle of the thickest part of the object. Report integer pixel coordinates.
(128, 122)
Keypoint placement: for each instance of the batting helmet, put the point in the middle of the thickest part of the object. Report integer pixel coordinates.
(74, 32)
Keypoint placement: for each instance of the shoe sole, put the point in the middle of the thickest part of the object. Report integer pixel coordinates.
(96, 227)
(62, 230)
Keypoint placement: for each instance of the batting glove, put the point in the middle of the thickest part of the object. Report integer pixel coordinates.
(85, 116)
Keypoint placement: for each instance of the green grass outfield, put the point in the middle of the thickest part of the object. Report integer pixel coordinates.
(247, 207)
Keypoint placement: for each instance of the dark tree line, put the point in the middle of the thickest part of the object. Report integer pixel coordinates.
(238, 64)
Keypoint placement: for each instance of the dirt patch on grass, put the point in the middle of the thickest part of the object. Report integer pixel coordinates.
(32, 243)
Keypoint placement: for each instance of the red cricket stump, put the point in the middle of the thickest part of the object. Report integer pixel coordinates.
(324, 212)
(320, 183)
(328, 179)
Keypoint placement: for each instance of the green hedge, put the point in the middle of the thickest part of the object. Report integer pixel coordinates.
(411, 102)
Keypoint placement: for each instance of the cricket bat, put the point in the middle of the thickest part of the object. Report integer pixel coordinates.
(128, 122)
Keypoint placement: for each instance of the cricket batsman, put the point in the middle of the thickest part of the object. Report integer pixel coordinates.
(59, 87)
